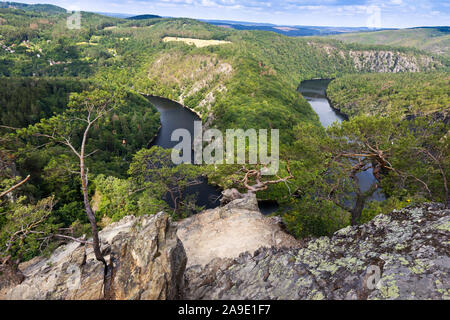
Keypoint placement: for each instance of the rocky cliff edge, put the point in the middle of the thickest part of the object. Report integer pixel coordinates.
(233, 252)
(402, 255)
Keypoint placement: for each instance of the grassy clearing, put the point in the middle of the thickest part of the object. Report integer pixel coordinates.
(199, 43)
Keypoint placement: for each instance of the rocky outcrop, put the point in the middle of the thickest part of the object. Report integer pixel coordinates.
(379, 60)
(227, 231)
(403, 255)
(146, 261)
(229, 195)
(234, 252)
(191, 77)
(390, 61)
(10, 275)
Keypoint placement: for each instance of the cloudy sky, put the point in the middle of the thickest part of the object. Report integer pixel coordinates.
(349, 13)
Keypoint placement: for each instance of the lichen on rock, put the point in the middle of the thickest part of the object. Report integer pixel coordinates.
(236, 253)
(409, 248)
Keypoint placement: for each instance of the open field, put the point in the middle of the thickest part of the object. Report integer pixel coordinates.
(199, 43)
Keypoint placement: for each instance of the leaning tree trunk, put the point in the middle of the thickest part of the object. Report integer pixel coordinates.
(90, 214)
(356, 212)
(87, 205)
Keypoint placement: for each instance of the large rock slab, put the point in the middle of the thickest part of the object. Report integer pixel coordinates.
(228, 231)
(146, 261)
(402, 255)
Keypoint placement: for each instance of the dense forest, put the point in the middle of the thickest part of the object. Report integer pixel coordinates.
(387, 94)
(36, 104)
(75, 128)
(25, 101)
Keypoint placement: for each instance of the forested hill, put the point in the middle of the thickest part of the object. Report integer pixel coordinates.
(247, 80)
(381, 94)
(40, 8)
(435, 40)
(292, 31)
(253, 78)
(143, 17)
(256, 75)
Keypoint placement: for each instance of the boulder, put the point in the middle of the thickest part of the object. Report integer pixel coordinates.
(229, 195)
(149, 265)
(226, 232)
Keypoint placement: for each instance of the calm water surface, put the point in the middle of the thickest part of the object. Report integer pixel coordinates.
(314, 92)
(175, 116)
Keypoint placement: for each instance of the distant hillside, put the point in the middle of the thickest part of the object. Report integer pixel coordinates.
(42, 8)
(292, 31)
(249, 81)
(432, 39)
(115, 15)
(143, 17)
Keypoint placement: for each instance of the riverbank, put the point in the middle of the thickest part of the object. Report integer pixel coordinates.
(154, 137)
(417, 94)
(314, 91)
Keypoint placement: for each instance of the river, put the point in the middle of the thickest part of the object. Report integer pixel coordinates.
(174, 116)
(314, 92)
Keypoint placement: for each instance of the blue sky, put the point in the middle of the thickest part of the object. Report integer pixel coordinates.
(349, 13)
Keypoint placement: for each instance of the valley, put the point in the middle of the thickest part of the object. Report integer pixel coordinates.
(86, 120)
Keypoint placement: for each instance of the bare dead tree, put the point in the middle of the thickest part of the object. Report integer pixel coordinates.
(62, 236)
(176, 193)
(369, 156)
(87, 112)
(259, 184)
(27, 221)
(372, 156)
(437, 159)
(379, 158)
(360, 196)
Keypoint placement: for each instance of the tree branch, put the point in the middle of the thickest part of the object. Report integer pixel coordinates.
(262, 185)
(14, 187)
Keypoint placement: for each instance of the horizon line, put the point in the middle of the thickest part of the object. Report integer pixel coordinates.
(262, 23)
